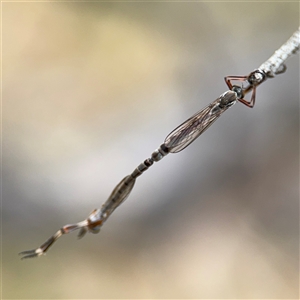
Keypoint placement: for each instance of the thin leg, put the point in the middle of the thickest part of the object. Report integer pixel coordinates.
(252, 100)
(237, 78)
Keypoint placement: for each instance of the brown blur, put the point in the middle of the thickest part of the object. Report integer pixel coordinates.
(90, 90)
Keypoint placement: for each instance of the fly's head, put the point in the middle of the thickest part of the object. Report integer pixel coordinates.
(256, 77)
(94, 223)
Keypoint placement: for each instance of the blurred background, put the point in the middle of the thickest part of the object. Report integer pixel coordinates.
(90, 90)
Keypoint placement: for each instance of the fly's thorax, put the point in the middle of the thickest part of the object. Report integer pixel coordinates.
(227, 99)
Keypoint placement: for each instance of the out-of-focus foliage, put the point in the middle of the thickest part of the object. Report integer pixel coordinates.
(89, 90)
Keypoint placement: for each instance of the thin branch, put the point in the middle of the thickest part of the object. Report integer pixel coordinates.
(275, 64)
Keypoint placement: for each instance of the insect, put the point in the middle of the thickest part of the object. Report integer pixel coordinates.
(180, 138)
(177, 140)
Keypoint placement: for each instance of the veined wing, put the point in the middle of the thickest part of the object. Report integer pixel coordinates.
(189, 130)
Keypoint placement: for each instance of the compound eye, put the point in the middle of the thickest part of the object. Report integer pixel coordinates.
(256, 77)
(95, 229)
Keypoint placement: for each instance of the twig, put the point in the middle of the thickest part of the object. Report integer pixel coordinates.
(275, 64)
(180, 138)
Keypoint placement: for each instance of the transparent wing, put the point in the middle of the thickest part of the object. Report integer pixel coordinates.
(189, 130)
